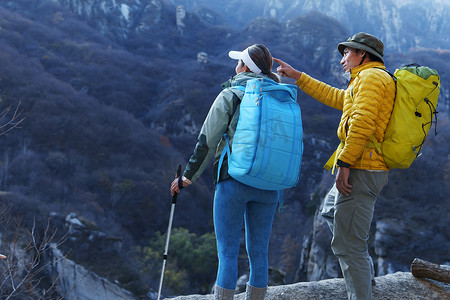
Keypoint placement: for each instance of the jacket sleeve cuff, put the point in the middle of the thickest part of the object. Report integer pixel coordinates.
(342, 164)
(300, 80)
(186, 180)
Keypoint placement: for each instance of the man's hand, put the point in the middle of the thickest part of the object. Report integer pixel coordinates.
(342, 181)
(284, 69)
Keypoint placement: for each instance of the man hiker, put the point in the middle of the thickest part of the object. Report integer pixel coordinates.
(366, 106)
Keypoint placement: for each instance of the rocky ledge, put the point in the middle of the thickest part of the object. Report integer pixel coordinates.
(400, 285)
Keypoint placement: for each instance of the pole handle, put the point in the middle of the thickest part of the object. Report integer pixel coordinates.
(178, 170)
(174, 197)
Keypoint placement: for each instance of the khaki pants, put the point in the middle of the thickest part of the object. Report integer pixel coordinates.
(349, 218)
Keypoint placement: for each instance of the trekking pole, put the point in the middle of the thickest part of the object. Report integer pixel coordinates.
(169, 229)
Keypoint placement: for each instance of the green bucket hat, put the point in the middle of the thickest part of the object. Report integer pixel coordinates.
(364, 41)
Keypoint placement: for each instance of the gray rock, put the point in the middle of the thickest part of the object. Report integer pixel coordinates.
(401, 285)
(202, 57)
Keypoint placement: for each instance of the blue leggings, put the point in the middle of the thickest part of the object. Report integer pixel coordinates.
(232, 201)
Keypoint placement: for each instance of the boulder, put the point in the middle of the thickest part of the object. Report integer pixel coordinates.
(400, 285)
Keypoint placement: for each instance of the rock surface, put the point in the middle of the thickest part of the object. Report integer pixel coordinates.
(401, 285)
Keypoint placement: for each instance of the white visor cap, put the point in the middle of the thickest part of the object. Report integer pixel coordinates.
(246, 59)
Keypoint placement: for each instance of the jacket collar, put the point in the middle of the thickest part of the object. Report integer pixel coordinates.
(373, 64)
(241, 79)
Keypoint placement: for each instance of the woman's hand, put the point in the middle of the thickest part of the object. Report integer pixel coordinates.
(284, 69)
(174, 186)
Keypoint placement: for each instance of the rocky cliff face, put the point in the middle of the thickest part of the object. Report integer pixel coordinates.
(319, 261)
(74, 282)
(118, 19)
(402, 25)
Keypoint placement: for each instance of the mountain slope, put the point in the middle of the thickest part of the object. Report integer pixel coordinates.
(114, 97)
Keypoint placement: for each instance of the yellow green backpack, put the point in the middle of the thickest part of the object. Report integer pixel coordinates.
(412, 117)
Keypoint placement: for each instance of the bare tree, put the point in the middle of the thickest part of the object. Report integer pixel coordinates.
(23, 271)
(10, 119)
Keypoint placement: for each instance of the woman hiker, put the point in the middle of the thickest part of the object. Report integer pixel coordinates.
(234, 200)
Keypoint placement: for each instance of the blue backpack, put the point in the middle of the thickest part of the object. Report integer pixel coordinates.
(267, 145)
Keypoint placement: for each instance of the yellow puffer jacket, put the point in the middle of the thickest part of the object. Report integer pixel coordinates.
(367, 113)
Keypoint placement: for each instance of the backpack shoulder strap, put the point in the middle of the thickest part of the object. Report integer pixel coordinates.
(392, 75)
(385, 70)
(373, 143)
(236, 99)
(226, 149)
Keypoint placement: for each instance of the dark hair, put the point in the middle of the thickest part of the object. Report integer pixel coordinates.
(371, 56)
(262, 57)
